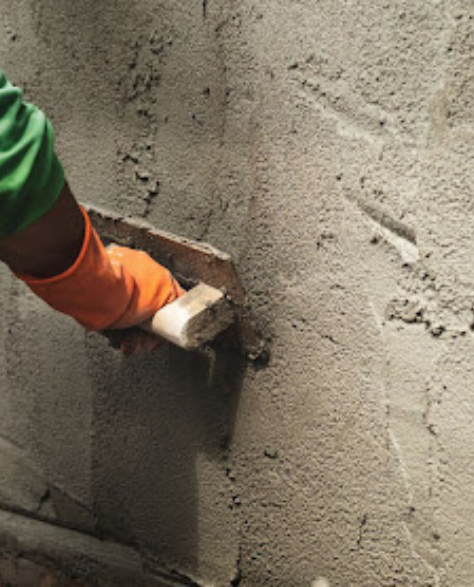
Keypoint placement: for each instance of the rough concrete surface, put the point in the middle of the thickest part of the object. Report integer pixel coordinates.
(327, 145)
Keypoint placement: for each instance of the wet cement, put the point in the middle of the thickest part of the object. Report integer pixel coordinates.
(326, 146)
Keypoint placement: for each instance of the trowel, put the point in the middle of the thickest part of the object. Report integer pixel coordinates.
(214, 306)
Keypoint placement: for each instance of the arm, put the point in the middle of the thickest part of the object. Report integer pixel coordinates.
(51, 244)
(48, 241)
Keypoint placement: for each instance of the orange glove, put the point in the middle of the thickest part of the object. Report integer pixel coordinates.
(107, 288)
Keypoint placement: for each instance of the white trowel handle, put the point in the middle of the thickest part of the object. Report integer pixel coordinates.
(193, 319)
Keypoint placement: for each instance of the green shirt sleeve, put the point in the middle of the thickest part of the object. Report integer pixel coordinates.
(31, 176)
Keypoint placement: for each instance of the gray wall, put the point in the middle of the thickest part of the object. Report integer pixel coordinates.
(327, 145)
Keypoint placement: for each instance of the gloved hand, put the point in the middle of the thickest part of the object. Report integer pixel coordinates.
(107, 289)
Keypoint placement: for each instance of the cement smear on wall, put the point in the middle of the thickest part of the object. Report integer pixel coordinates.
(327, 146)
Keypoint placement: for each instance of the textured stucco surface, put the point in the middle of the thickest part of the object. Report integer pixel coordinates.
(327, 145)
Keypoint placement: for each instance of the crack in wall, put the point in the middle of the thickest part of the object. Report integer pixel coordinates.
(334, 100)
(29, 491)
(401, 236)
(362, 525)
(43, 500)
(234, 506)
(411, 527)
(236, 581)
(438, 106)
(423, 540)
(431, 568)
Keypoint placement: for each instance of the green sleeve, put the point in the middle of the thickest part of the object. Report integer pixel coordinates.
(31, 176)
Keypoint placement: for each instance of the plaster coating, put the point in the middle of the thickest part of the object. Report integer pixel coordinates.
(328, 147)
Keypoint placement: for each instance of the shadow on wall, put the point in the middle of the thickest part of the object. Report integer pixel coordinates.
(112, 445)
(116, 441)
(153, 417)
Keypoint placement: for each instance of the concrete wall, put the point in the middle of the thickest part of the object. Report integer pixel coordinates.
(327, 145)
